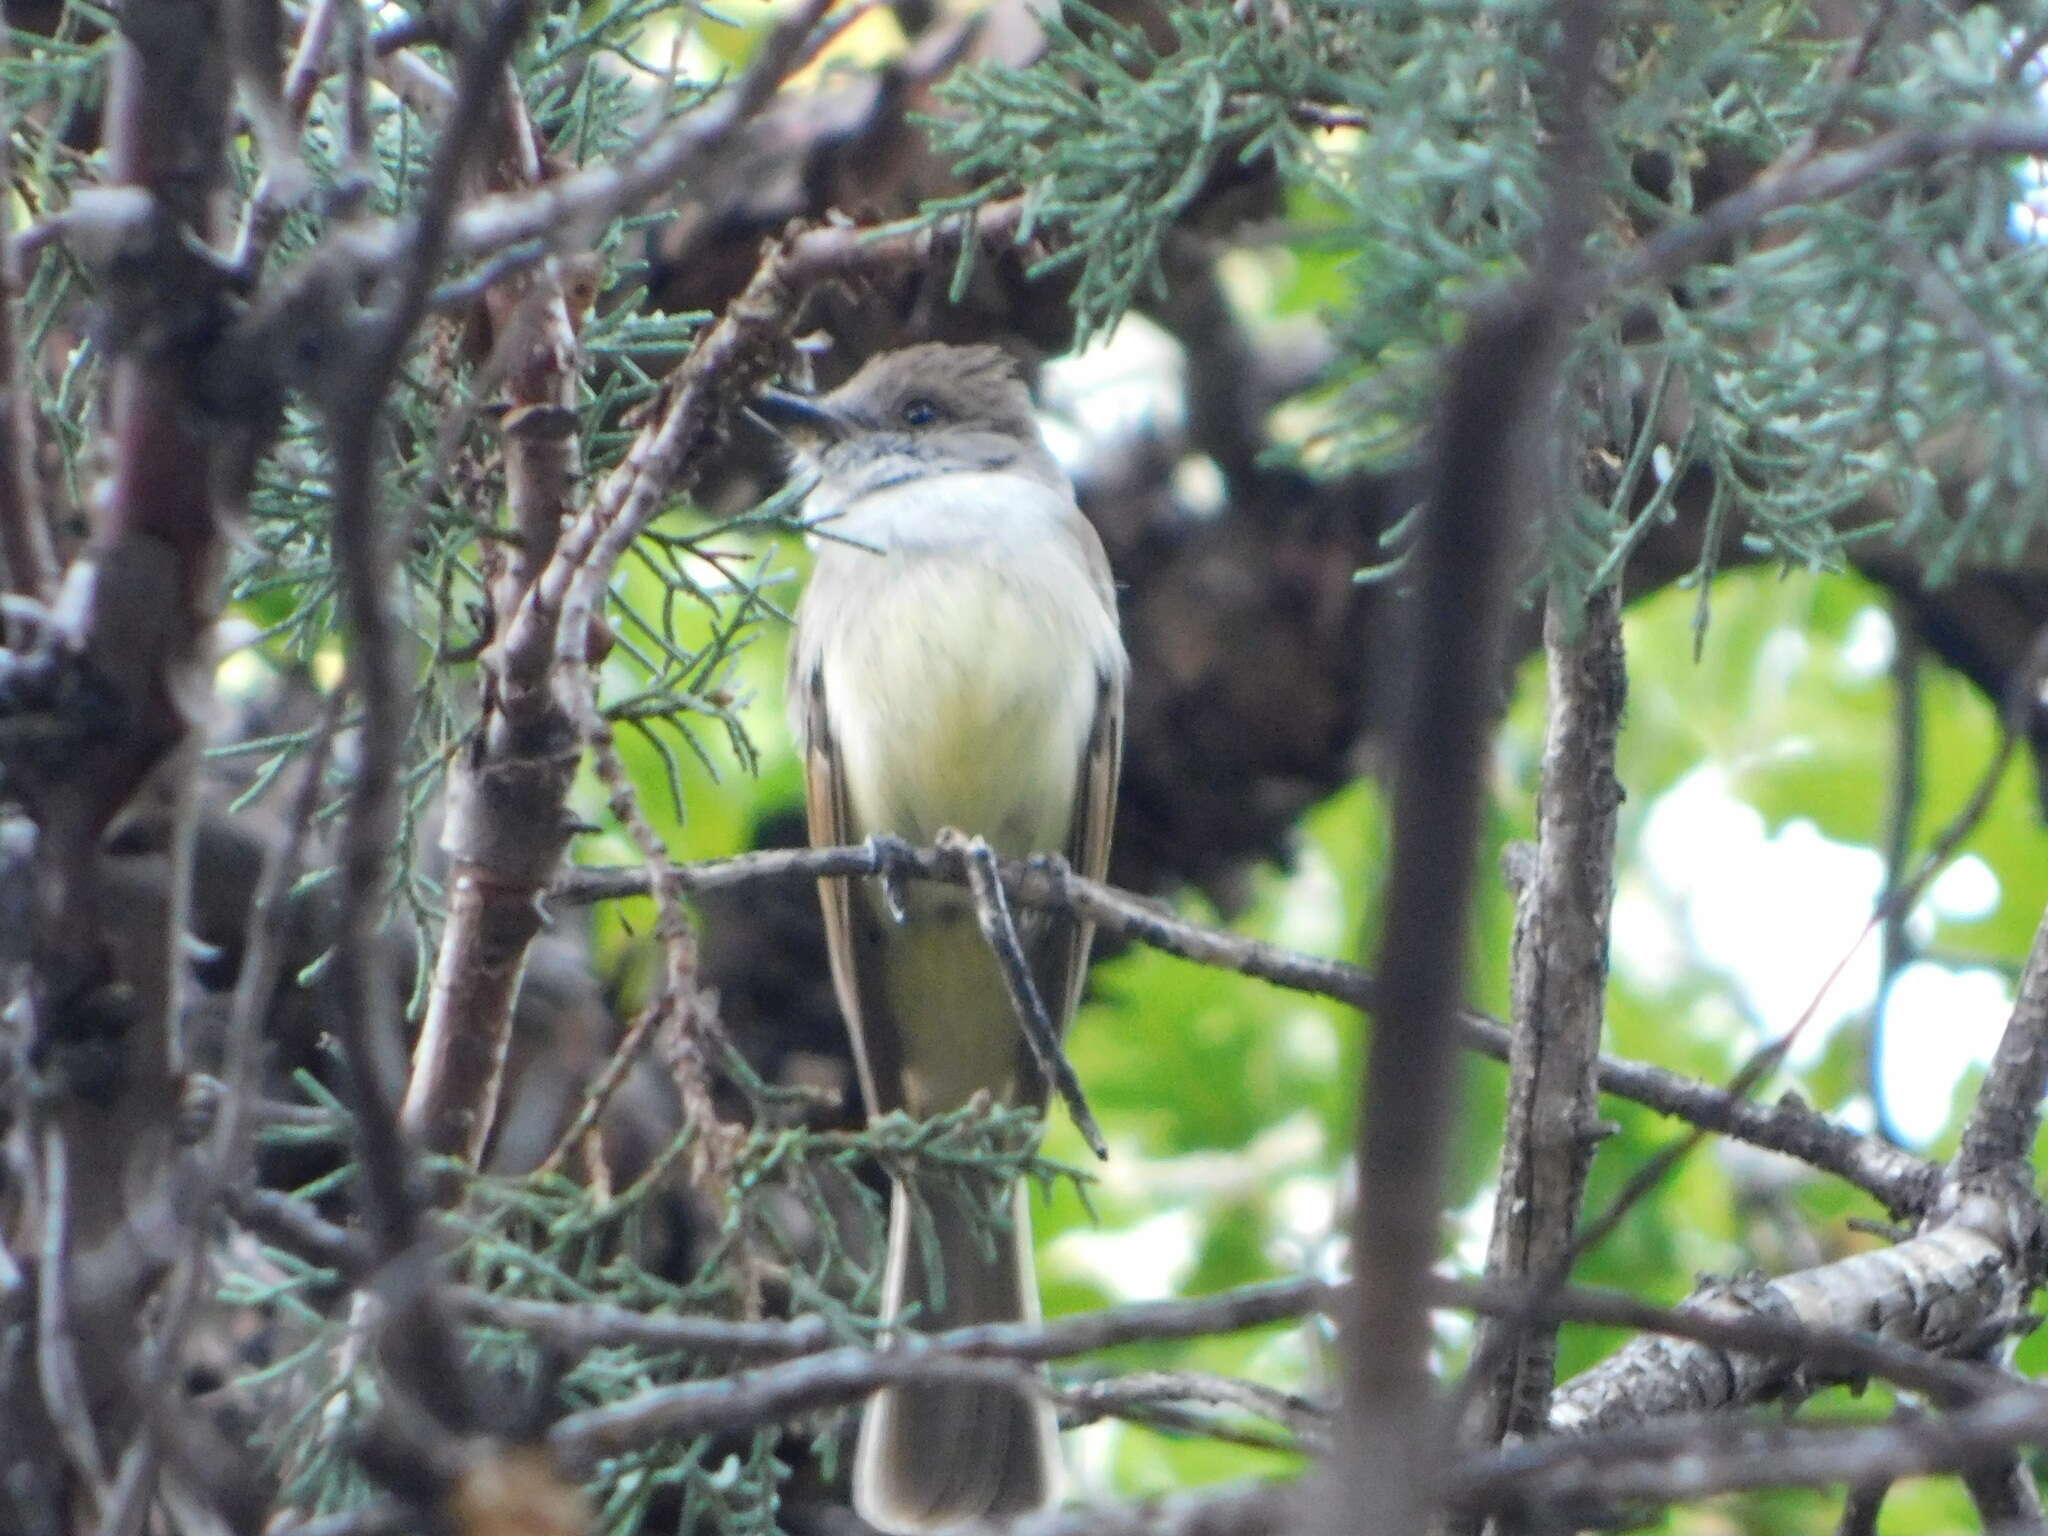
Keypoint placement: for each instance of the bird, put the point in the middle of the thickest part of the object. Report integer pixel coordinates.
(956, 667)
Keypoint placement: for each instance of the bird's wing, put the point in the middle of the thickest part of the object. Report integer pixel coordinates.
(1101, 770)
(1059, 942)
(853, 928)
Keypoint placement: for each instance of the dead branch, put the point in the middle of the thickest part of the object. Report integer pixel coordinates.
(1938, 1291)
(1999, 1138)
(1691, 1457)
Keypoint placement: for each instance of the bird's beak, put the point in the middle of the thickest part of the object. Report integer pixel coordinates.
(797, 416)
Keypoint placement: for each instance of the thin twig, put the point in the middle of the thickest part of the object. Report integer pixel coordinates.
(2018, 386)
(26, 555)
(56, 1346)
(363, 555)
(999, 929)
(363, 1015)
(270, 914)
(1763, 1339)
(1818, 180)
(263, 218)
(1900, 899)
(1848, 70)
(2007, 1115)
(1902, 810)
(822, 1378)
(582, 1440)
(562, 210)
(1167, 1400)
(1671, 1461)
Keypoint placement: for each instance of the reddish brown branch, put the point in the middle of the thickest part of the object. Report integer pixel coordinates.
(506, 825)
(126, 668)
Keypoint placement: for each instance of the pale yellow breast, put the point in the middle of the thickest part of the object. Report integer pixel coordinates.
(962, 695)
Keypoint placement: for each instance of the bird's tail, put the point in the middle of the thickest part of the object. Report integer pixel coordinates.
(935, 1455)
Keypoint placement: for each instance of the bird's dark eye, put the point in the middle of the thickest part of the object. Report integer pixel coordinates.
(919, 412)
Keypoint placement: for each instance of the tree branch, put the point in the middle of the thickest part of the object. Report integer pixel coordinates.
(2007, 1115)
(506, 823)
(1903, 1183)
(362, 1016)
(1560, 984)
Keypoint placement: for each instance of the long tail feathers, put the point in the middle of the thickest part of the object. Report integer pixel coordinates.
(934, 1456)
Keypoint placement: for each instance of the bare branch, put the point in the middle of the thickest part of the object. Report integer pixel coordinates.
(231, 1136)
(1999, 1136)
(1172, 1400)
(363, 550)
(1560, 982)
(1940, 1290)
(2007, 1114)
(1500, 384)
(506, 824)
(1678, 1459)
(278, 187)
(1257, 1509)
(362, 1013)
(571, 209)
(1903, 1183)
(64, 1393)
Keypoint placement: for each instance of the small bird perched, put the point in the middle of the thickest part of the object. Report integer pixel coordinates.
(956, 664)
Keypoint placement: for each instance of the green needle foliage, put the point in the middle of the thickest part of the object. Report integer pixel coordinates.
(1807, 370)
(804, 1221)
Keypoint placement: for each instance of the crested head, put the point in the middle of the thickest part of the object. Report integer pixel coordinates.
(922, 410)
(935, 388)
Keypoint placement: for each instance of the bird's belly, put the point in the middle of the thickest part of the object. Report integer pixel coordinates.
(973, 709)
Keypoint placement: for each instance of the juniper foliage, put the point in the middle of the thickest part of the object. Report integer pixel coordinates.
(1806, 378)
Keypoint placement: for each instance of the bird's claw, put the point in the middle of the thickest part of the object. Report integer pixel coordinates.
(892, 856)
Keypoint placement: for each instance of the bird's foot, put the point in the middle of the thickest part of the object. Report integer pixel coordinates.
(895, 861)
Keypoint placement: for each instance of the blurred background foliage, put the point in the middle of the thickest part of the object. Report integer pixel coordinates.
(1759, 753)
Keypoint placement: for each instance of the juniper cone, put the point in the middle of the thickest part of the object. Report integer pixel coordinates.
(956, 665)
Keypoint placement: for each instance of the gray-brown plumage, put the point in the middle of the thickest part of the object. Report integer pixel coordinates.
(956, 664)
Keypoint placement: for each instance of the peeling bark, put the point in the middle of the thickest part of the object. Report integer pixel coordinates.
(507, 821)
(1560, 986)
